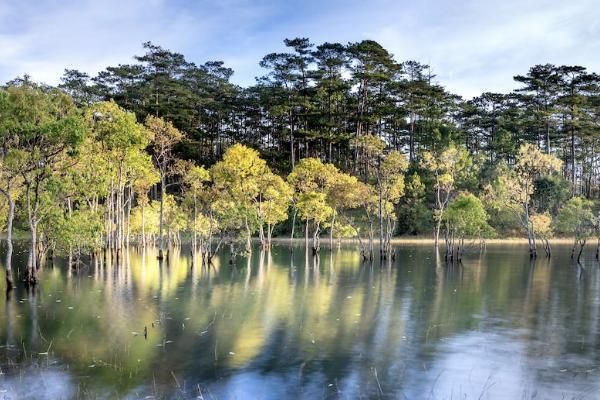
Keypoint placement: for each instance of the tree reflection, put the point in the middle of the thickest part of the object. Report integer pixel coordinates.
(293, 323)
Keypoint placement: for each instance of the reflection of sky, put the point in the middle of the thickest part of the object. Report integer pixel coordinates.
(495, 365)
(37, 383)
(478, 365)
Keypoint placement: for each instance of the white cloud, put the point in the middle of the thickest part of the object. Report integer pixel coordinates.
(482, 47)
(471, 45)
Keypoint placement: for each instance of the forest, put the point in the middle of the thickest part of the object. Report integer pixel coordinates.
(334, 141)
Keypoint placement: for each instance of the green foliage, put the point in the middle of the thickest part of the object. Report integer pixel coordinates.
(81, 230)
(550, 193)
(576, 218)
(312, 181)
(248, 194)
(504, 214)
(313, 206)
(466, 217)
(274, 199)
(512, 189)
(414, 216)
(116, 128)
(542, 225)
(151, 219)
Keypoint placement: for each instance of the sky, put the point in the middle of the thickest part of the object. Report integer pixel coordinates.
(472, 46)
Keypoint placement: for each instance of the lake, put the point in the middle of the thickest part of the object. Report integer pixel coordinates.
(284, 325)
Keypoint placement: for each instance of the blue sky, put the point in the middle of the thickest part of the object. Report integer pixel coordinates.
(472, 45)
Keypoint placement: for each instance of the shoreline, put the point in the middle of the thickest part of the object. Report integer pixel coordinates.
(396, 240)
(430, 240)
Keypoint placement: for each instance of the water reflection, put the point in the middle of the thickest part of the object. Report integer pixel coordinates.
(287, 325)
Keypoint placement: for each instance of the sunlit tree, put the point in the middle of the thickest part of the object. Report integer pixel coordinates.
(312, 181)
(514, 188)
(576, 218)
(446, 167)
(45, 129)
(164, 138)
(465, 218)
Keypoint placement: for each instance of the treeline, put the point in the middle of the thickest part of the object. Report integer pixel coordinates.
(337, 138)
(313, 100)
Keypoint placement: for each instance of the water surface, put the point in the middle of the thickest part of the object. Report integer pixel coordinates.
(284, 325)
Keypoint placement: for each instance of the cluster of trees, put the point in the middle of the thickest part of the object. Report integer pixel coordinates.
(336, 138)
(93, 177)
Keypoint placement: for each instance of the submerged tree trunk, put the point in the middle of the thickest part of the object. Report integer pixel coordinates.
(389, 232)
(262, 237)
(9, 244)
(161, 218)
(371, 234)
(447, 247)
(581, 246)
(269, 235)
(316, 242)
(436, 232)
(547, 247)
(32, 219)
(248, 238)
(32, 267)
(331, 231)
(306, 234)
(143, 226)
(293, 224)
(530, 235)
(194, 232)
(362, 246)
(460, 250)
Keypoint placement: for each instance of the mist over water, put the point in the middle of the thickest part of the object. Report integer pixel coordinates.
(286, 325)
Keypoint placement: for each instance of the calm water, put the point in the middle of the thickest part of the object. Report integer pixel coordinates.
(282, 326)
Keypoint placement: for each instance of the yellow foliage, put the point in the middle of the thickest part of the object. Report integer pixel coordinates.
(541, 224)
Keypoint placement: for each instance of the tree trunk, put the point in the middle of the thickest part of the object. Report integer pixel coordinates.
(292, 153)
(581, 246)
(436, 232)
(128, 219)
(262, 237)
(371, 240)
(573, 159)
(293, 223)
(31, 215)
(118, 207)
(32, 271)
(547, 137)
(411, 146)
(248, 238)
(9, 244)
(306, 234)
(447, 247)
(331, 231)
(316, 244)
(380, 216)
(143, 226)
(161, 217)
(530, 238)
(194, 233)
